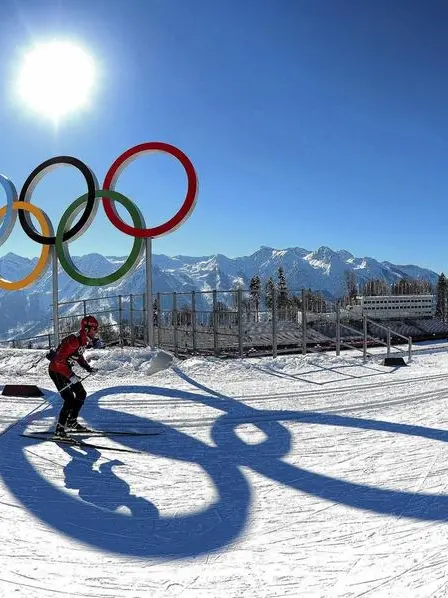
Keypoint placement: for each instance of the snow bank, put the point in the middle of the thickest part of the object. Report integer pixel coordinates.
(139, 362)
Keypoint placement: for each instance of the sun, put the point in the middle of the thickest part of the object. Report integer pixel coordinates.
(56, 78)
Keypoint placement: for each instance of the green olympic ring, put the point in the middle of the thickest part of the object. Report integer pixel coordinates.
(62, 246)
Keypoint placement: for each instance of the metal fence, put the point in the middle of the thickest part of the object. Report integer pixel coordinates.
(228, 323)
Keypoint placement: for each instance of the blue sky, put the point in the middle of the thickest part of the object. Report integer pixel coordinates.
(309, 122)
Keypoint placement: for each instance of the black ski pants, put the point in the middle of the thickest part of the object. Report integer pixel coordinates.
(73, 396)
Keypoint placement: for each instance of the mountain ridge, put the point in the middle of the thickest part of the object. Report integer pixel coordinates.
(323, 269)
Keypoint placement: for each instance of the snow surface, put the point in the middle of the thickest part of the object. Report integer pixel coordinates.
(297, 476)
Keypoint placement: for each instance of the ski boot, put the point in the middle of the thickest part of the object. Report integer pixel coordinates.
(60, 432)
(74, 426)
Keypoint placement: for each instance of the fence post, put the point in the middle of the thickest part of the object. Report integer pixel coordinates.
(304, 298)
(84, 306)
(274, 322)
(240, 321)
(364, 342)
(338, 328)
(388, 343)
(215, 324)
(131, 318)
(145, 328)
(55, 289)
(120, 320)
(159, 320)
(409, 349)
(176, 341)
(193, 320)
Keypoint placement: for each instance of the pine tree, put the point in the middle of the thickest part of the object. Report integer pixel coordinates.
(376, 287)
(296, 306)
(246, 309)
(352, 287)
(254, 288)
(269, 291)
(404, 286)
(423, 287)
(309, 300)
(283, 294)
(441, 293)
(235, 291)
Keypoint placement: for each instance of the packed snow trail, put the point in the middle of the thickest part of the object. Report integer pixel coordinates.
(300, 476)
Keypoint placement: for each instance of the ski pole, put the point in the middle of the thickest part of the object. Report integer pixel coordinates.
(33, 365)
(38, 360)
(70, 383)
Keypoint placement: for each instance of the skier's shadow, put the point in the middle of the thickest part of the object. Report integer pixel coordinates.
(102, 487)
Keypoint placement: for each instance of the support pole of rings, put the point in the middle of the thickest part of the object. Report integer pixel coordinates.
(54, 265)
(149, 306)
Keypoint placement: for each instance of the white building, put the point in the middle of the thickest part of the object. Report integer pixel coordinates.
(385, 307)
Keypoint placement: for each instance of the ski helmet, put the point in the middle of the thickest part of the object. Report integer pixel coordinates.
(89, 324)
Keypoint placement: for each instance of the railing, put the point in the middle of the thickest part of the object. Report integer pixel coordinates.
(389, 333)
(226, 323)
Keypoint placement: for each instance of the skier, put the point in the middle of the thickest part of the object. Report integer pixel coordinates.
(68, 384)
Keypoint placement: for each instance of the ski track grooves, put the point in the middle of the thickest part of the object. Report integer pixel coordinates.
(267, 416)
(283, 395)
(325, 392)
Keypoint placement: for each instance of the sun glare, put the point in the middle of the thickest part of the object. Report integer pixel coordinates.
(56, 78)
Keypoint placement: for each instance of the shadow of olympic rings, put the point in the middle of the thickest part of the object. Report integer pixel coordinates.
(145, 532)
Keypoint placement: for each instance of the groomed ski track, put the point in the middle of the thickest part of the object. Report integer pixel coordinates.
(302, 476)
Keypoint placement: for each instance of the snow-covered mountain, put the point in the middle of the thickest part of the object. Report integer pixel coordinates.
(321, 270)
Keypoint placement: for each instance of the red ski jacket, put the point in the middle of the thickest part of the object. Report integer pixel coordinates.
(68, 351)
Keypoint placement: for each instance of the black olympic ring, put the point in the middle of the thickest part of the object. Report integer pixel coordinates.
(30, 184)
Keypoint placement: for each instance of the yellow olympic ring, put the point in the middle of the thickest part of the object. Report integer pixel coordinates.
(42, 263)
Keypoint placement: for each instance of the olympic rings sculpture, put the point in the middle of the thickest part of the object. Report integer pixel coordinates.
(87, 205)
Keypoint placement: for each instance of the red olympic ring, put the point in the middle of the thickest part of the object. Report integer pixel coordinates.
(122, 162)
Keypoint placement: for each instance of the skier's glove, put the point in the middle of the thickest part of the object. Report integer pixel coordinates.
(74, 379)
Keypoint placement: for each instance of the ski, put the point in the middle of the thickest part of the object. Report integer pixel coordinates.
(79, 443)
(103, 433)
